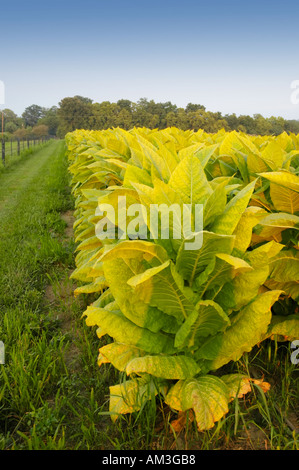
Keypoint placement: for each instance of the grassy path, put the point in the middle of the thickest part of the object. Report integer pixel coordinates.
(17, 177)
(39, 385)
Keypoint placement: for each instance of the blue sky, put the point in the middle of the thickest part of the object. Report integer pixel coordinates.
(230, 56)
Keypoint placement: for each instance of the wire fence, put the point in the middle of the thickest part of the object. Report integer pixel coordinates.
(14, 146)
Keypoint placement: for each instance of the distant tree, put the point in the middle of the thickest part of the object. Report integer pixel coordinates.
(74, 113)
(171, 119)
(124, 119)
(10, 127)
(32, 114)
(10, 116)
(83, 99)
(50, 120)
(40, 131)
(20, 133)
(263, 126)
(292, 126)
(105, 115)
(277, 125)
(194, 107)
(125, 104)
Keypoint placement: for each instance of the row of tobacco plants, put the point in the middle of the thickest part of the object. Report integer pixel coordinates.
(174, 317)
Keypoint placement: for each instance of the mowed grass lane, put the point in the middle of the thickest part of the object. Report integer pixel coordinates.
(51, 389)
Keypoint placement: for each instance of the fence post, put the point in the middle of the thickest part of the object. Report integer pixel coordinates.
(19, 150)
(3, 152)
(11, 147)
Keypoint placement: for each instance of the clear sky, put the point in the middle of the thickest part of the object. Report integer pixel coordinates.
(230, 56)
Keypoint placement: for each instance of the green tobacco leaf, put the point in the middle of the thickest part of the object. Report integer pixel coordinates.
(215, 203)
(169, 296)
(190, 181)
(123, 330)
(273, 155)
(284, 267)
(134, 174)
(141, 303)
(118, 354)
(131, 395)
(227, 222)
(272, 225)
(190, 263)
(290, 288)
(283, 178)
(167, 367)
(207, 395)
(284, 328)
(219, 272)
(284, 199)
(247, 329)
(207, 319)
(146, 275)
(237, 384)
(243, 231)
(204, 154)
(245, 287)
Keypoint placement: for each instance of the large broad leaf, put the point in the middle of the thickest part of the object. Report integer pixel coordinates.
(123, 330)
(218, 272)
(237, 384)
(135, 302)
(271, 226)
(167, 367)
(134, 174)
(190, 263)
(248, 328)
(284, 267)
(238, 292)
(133, 286)
(243, 231)
(228, 221)
(132, 395)
(273, 155)
(284, 199)
(168, 294)
(190, 181)
(290, 288)
(215, 204)
(204, 154)
(208, 319)
(207, 395)
(283, 178)
(118, 354)
(284, 328)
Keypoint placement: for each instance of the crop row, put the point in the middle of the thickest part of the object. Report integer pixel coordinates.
(175, 316)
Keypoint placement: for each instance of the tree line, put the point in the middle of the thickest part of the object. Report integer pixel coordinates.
(79, 112)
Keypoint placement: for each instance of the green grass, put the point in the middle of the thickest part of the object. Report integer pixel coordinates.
(11, 159)
(53, 395)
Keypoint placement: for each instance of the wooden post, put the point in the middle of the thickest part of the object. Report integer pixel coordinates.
(3, 152)
(19, 149)
(11, 147)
